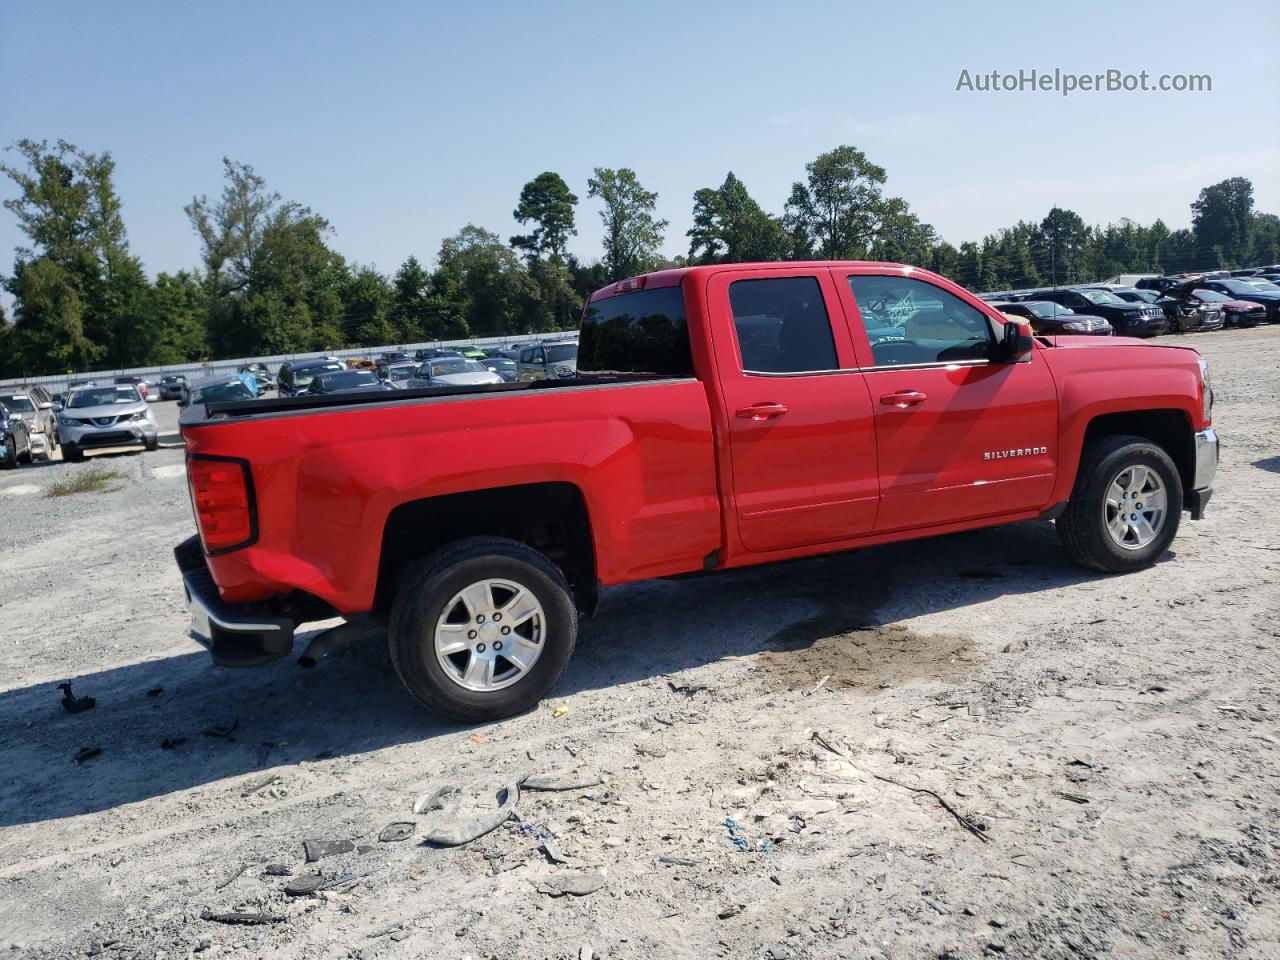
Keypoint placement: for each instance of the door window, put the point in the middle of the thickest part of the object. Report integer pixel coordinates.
(908, 321)
(782, 325)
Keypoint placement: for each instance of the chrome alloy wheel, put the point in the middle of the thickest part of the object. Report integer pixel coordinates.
(490, 635)
(1136, 507)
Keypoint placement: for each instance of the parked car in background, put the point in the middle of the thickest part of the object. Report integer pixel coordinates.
(452, 372)
(346, 381)
(1049, 319)
(1184, 311)
(138, 383)
(1126, 319)
(502, 366)
(471, 351)
(430, 353)
(1235, 313)
(1244, 290)
(557, 360)
(218, 390)
(99, 417)
(15, 439)
(172, 386)
(35, 405)
(1128, 279)
(363, 363)
(296, 375)
(398, 375)
(261, 374)
(393, 356)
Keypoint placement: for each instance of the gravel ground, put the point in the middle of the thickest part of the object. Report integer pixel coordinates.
(1111, 741)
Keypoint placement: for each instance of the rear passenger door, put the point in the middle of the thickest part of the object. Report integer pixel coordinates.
(802, 445)
(958, 436)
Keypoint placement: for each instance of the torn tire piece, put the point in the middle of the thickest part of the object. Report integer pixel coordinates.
(572, 884)
(561, 781)
(395, 832)
(434, 800)
(319, 849)
(244, 918)
(474, 829)
(304, 885)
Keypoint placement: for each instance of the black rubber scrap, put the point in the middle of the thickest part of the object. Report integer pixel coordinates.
(73, 704)
(304, 885)
(394, 832)
(249, 919)
(319, 849)
(87, 753)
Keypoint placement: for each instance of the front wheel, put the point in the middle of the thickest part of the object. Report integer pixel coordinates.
(9, 459)
(482, 630)
(1125, 508)
(71, 453)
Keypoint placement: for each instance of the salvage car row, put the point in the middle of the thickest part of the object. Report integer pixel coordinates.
(1146, 305)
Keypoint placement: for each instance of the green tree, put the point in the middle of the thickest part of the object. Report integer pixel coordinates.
(480, 287)
(366, 302)
(1061, 247)
(632, 233)
(837, 213)
(730, 227)
(547, 202)
(76, 287)
(411, 303)
(1222, 219)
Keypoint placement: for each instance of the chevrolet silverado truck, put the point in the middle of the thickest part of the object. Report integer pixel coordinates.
(720, 416)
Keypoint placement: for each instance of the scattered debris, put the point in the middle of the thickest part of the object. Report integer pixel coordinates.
(731, 911)
(168, 743)
(73, 704)
(1073, 797)
(386, 931)
(395, 832)
(242, 918)
(977, 710)
(155, 691)
(477, 738)
(233, 878)
(319, 849)
(261, 785)
(559, 712)
(969, 825)
(433, 801)
(478, 827)
(87, 753)
(553, 851)
(222, 731)
(821, 683)
(573, 884)
(740, 839)
(561, 781)
(614, 842)
(1078, 771)
(680, 862)
(277, 870)
(304, 885)
(688, 689)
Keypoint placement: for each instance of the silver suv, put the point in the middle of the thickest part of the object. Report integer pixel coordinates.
(35, 404)
(112, 416)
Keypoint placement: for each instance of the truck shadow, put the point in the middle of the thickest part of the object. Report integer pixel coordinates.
(173, 723)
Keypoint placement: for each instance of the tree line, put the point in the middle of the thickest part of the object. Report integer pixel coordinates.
(268, 281)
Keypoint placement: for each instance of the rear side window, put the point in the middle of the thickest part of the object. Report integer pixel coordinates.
(782, 325)
(643, 333)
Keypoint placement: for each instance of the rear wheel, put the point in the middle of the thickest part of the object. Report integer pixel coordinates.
(9, 460)
(153, 444)
(482, 630)
(1125, 508)
(29, 455)
(72, 453)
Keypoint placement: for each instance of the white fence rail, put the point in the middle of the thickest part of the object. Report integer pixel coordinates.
(214, 368)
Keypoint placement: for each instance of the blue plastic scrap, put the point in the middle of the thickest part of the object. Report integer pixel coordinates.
(740, 839)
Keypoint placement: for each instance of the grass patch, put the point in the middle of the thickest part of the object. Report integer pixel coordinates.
(88, 480)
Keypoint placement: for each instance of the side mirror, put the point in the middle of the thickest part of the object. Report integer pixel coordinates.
(45, 406)
(1013, 342)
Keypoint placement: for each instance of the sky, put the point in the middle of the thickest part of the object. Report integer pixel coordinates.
(401, 122)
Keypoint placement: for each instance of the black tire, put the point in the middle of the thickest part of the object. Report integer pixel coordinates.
(71, 453)
(421, 600)
(1082, 528)
(1175, 325)
(10, 459)
(29, 456)
(153, 444)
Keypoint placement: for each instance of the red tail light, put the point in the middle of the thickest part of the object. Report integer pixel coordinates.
(222, 496)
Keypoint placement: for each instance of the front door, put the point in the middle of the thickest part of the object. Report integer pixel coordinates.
(802, 445)
(959, 437)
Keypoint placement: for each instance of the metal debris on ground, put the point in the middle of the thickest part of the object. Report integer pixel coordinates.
(395, 832)
(680, 862)
(315, 850)
(553, 851)
(232, 879)
(261, 785)
(73, 704)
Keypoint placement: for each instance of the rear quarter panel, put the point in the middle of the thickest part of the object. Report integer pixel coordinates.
(325, 481)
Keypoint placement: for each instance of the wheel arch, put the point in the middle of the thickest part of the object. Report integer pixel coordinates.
(1169, 429)
(549, 517)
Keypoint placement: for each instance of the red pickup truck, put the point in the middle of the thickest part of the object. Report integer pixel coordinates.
(720, 416)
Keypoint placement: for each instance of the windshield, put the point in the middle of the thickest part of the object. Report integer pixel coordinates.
(216, 392)
(307, 374)
(102, 396)
(396, 374)
(451, 365)
(1266, 285)
(347, 379)
(1239, 286)
(560, 352)
(1100, 296)
(17, 402)
(1042, 308)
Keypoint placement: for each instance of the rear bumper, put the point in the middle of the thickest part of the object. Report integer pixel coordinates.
(1197, 498)
(235, 634)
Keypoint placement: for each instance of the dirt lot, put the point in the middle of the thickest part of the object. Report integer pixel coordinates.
(1112, 740)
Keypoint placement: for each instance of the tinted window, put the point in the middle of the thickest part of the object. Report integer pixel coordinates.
(642, 333)
(910, 321)
(782, 325)
(17, 403)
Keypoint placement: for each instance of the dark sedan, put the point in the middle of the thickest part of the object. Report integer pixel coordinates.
(347, 381)
(1052, 319)
(1126, 319)
(1249, 290)
(502, 366)
(1236, 313)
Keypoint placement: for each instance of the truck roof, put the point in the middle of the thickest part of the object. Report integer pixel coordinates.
(675, 276)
